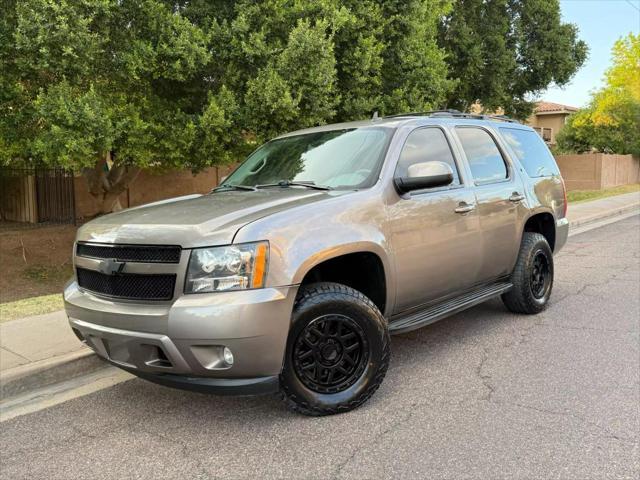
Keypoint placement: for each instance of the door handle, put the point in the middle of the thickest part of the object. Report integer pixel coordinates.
(516, 197)
(465, 208)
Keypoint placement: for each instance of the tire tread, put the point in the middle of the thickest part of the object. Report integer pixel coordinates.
(327, 291)
(517, 299)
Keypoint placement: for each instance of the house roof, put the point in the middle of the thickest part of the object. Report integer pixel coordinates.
(550, 107)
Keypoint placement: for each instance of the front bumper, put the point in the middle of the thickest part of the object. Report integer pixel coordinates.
(219, 386)
(180, 343)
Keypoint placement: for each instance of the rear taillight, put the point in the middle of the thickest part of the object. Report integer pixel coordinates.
(564, 193)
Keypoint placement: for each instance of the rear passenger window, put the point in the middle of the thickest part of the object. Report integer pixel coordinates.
(485, 160)
(426, 145)
(530, 149)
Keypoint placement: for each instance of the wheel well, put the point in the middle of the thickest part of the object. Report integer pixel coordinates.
(362, 271)
(544, 224)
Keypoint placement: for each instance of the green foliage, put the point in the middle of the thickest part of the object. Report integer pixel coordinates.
(270, 105)
(297, 86)
(82, 78)
(625, 70)
(159, 84)
(414, 70)
(308, 64)
(186, 84)
(80, 126)
(503, 51)
(611, 121)
(217, 132)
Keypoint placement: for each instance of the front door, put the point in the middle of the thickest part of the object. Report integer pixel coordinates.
(434, 233)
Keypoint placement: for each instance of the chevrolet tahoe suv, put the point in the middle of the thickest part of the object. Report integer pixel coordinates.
(291, 275)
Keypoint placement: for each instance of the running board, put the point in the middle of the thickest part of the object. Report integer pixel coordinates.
(433, 313)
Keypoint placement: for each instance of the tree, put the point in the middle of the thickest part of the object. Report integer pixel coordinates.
(502, 52)
(308, 62)
(101, 86)
(611, 121)
(414, 69)
(109, 87)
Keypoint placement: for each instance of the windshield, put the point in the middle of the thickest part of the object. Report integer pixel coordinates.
(340, 159)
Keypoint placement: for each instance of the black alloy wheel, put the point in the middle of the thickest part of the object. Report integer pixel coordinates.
(330, 354)
(337, 353)
(539, 274)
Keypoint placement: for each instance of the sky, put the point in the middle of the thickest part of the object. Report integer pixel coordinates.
(600, 24)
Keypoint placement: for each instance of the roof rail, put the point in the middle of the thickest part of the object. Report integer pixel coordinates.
(454, 114)
(428, 113)
(502, 118)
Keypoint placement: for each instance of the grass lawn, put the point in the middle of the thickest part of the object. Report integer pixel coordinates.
(30, 306)
(584, 195)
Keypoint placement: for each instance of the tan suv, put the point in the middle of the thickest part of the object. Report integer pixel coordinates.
(291, 275)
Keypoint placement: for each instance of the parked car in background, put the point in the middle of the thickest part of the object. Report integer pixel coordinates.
(292, 274)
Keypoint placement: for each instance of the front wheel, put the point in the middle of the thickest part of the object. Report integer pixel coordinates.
(337, 351)
(532, 277)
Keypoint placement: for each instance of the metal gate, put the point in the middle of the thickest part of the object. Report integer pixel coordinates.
(37, 195)
(55, 196)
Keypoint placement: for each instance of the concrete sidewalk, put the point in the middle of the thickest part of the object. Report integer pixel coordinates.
(38, 347)
(36, 338)
(39, 351)
(591, 211)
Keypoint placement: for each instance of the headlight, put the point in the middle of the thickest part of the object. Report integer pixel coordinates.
(234, 267)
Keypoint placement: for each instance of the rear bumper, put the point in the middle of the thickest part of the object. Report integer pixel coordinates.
(181, 344)
(562, 233)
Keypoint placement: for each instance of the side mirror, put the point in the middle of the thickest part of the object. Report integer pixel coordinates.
(425, 175)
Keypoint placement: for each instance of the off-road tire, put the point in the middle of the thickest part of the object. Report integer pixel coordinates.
(323, 300)
(521, 298)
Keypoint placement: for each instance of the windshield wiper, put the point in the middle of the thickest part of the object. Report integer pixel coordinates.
(228, 187)
(288, 183)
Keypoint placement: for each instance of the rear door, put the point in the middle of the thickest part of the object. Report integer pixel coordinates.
(545, 182)
(434, 233)
(500, 199)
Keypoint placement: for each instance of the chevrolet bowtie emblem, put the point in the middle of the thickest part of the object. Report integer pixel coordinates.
(111, 266)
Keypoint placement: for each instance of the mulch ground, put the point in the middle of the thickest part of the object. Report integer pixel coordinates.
(35, 261)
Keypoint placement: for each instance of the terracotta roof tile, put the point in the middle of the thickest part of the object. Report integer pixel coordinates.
(553, 107)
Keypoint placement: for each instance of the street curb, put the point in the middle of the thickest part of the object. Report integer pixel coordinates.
(47, 372)
(596, 217)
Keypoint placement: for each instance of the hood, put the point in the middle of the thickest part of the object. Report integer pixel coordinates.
(196, 220)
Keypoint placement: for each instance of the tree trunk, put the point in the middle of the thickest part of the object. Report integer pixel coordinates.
(107, 184)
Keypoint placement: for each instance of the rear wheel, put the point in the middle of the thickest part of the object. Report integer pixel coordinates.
(532, 277)
(337, 352)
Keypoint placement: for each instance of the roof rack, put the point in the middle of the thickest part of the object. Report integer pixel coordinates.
(454, 114)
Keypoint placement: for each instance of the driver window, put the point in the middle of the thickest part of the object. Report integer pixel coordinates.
(426, 145)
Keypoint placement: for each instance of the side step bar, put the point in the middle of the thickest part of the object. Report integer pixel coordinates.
(416, 319)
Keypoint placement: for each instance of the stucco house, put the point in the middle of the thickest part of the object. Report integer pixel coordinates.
(548, 118)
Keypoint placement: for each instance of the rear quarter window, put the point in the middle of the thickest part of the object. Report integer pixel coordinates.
(533, 154)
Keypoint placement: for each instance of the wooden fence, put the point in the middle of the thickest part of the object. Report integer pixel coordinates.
(37, 195)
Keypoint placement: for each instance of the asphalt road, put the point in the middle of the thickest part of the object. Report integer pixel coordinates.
(485, 394)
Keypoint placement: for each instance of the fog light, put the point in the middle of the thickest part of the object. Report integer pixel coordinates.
(228, 356)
